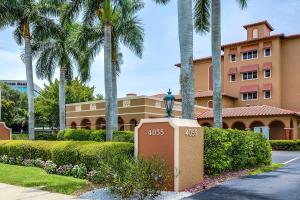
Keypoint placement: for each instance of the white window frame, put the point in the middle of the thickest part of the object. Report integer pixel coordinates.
(247, 76)
(230, 58)
(270, 52)
(242, 96)
(265, 73)
(230, 77)
(270, 94)
(248, 55)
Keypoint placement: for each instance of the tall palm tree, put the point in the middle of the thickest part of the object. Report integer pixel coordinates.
(27, 16)
(58, 50)
(185, 29)
(101, 14)
(203, 10)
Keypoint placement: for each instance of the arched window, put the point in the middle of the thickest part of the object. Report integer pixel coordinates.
(133, 124)
(73, 125)
(255, 33)
(85, 124)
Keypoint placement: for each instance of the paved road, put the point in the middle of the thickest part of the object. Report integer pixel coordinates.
(283, 184)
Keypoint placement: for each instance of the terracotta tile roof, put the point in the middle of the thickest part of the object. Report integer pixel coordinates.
(249, 68)
(258, 23)
(249, 88)
(252, 111)
(160, 95)
(208, 93)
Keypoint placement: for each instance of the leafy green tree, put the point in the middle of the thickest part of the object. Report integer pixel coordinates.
(101, 13)
(47, 104)
(58, 50)
(202, 11)
(126, 29)
(28, 17)
(13, 107)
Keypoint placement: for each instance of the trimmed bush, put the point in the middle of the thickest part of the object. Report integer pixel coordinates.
(227, 150)
(67, 152)
(38, 136)
(94, 135)
(285, 145)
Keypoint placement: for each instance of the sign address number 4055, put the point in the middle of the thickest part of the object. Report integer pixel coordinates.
(161, 132)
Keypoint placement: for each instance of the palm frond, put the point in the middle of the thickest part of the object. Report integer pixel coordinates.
(202, 15)
(242, 3)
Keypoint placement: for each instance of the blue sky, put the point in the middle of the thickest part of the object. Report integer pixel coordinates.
(155, 72)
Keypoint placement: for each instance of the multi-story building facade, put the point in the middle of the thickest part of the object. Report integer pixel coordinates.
(260, 82)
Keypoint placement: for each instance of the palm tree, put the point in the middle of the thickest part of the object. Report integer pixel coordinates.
(27, 16)
(58, 50)
(100, 14)
(185, 29)
(203, 9)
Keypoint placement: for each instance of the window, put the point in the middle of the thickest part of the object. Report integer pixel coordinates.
(249, 96)
(250, 55)
(255, 33)
(232, 58)
(126, 103)
(250, 75)
(267, 73)
(267, 52)
(267, 94)
(232, 77)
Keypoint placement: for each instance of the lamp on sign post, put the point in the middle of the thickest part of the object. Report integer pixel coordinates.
(169, 103)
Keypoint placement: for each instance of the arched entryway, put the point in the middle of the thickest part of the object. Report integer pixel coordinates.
(239, 126)
(277, 131)
(73, 125)
(133, 123)
(120, 124)
(206, 124)
(85, 124)
(100, 123)
(225, 126)
(256, 124)
(210, 104)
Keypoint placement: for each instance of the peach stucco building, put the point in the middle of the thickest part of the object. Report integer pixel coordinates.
(261, 87)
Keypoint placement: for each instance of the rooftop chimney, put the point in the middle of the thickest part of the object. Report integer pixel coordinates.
(258, 30)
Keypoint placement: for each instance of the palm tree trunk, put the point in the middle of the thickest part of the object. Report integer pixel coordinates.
(216, 60)
(108, 81)
(30, 94)
(62, 99)
(114, 97)
(185, 23)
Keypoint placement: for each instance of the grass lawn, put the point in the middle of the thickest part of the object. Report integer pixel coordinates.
(38, 178)
(264, 169)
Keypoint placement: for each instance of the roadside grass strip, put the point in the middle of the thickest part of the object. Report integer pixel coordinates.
(264, 169)
(38, 178)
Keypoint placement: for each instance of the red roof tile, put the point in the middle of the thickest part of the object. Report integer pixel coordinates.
(232, 70)
(258, 23)
(252, 111)
(208, 93)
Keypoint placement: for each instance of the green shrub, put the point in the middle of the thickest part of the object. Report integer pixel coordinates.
(94, 135)
(134, 178)
(226, 150)
(216, 151)
(91, 154)
(285, 145)
(20, 136)
(45, 136)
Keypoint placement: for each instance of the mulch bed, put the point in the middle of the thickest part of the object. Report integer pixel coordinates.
(213, 181)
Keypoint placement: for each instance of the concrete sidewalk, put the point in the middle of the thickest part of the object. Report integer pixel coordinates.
(11, 192)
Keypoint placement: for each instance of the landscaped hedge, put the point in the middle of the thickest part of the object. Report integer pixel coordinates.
(38, 136)
(285, 145)
(230, 150)
(67, 152)
(94, 135)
